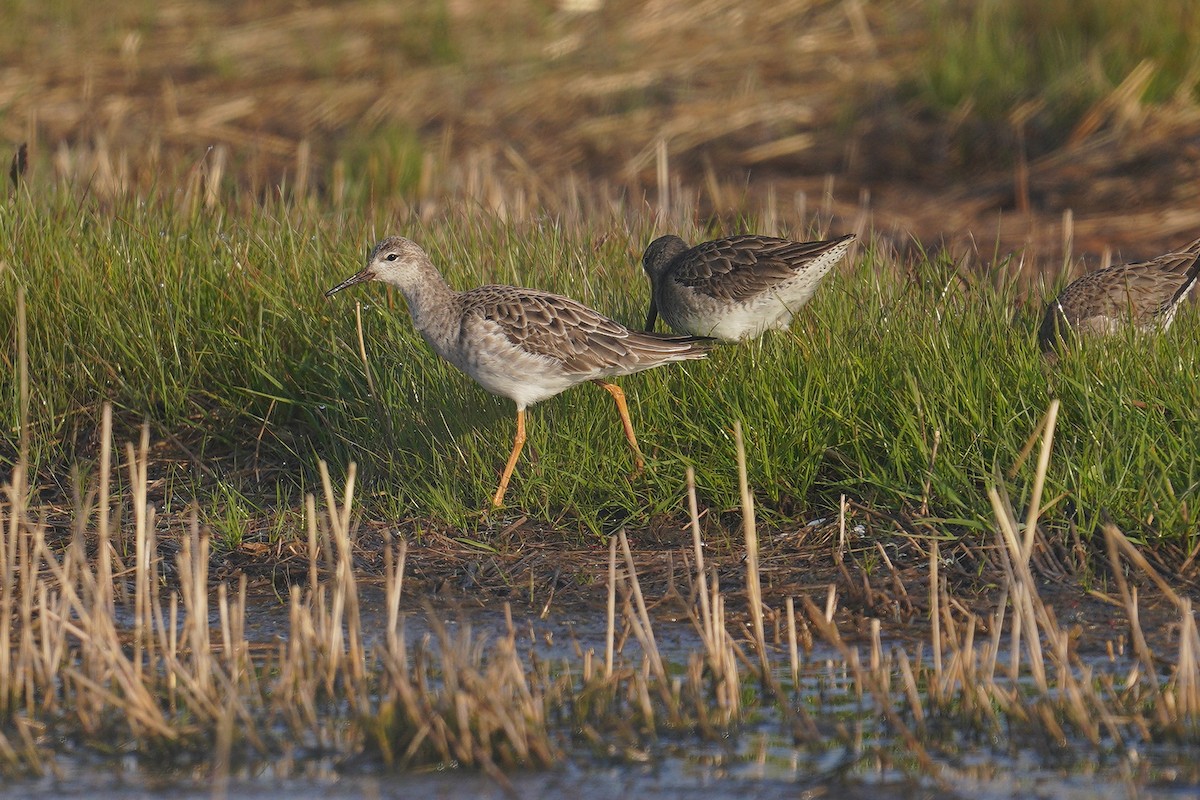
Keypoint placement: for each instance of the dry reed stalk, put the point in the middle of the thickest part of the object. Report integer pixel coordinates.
(611, 611)
(723, 659)
(730, 680)
(104, 506)
(840, 552)
(9, 683)
(698, 551)
(9, 755)
(750, 530)
(996, 625)
(348, 586)
(310, 519)
(193, 571)
(1068, 236)
(1039, 478)
(663, 173)
(226, 626)
(1129, 596)
(876, 647)
(1187, 667)
(137, 481)
(171, 652)
(1074, 694)
(710, 623)
(911, 691)
(337, 533)
(793, 649)
(23, 387)
(1017, 552)
(362, 350)
(640, 622)
(935, 614)
(865, 679)
(394, 584)
(1135, 555)
(1021, 589)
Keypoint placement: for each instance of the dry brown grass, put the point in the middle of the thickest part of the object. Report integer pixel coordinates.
(792, 105)
(169, 681)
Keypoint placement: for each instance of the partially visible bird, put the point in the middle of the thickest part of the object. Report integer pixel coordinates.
(734, 288)
(1146, 294)
(522, 344)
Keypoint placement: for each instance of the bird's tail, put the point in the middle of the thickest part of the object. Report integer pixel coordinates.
(1189, 265)
(671, 347)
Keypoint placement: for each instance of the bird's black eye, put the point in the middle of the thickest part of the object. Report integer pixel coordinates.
(392, 256)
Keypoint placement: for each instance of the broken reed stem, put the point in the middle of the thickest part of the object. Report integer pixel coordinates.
(663, 174)
(394, 571)
(749, 527)
(1187, 665)
(1039, 479)
(867, 680)
(935, 611)
(138, 467)
(23, 377)
(362, 349)
(310, 519)
(1129, 596)
(793, 649)
(104, 501)
(698, 552)
(1133, 554)
(840, 553)
(1021, 584)
(610, 631)
(186, 687)
(642, 620)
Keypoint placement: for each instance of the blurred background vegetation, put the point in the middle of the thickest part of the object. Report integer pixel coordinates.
(948, 120)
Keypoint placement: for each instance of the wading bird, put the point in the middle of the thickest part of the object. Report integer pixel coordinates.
(734, 288)
(1145, 294)
(522, 344)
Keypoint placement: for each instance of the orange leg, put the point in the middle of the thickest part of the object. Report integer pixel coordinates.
(518, 443)
(619, 397)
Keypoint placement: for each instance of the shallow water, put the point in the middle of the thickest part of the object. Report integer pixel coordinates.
(659, 781)
(759, 761)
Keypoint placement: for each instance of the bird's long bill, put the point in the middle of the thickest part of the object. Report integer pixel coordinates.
(358, 277)
(652, 316)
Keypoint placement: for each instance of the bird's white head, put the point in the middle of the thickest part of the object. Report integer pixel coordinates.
(395, 260)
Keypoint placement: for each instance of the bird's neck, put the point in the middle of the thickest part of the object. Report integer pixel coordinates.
(433, 306)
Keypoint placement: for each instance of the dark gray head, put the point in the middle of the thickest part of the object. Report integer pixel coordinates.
(1054, 329)
(661, 252)
(394, 260)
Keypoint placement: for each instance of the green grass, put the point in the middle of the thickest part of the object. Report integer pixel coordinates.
(1059, 56)
(213, 326)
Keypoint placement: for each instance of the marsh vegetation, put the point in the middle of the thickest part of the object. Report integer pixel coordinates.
(935, 550)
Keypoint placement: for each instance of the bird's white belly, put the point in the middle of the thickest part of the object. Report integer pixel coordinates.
(738, 321)
(523, 377)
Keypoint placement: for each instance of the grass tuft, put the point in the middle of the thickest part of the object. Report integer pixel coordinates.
(905, 383)
(1056, 60)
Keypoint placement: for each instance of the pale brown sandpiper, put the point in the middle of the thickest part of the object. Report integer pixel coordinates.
(519, 343)
(734, 288)
(1146, 294)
